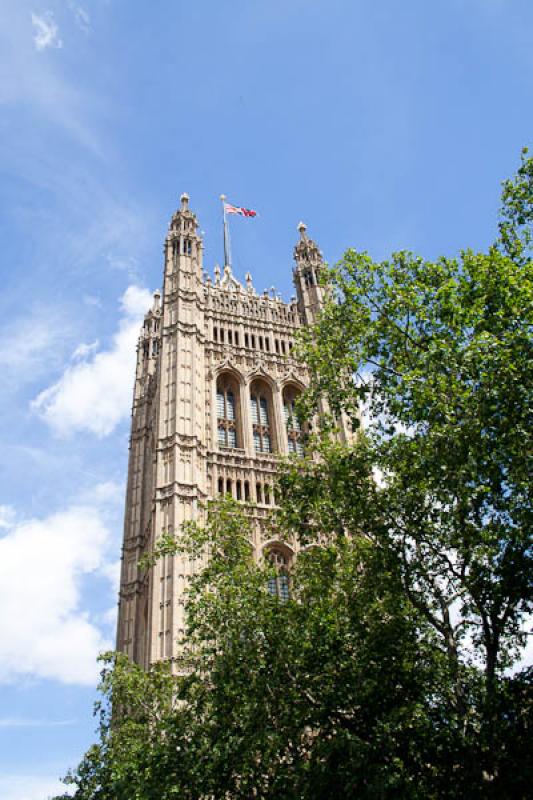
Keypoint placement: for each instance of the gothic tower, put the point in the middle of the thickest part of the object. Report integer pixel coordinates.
(213, 402)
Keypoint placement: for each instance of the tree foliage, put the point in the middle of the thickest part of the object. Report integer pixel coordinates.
(387, 673)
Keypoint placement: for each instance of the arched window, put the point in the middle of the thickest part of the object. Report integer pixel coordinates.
(261, 417)
(278, 585)
(227, 412)
(292, 424)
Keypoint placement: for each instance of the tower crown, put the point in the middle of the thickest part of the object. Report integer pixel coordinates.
(183, 220)
(306, 251)
(309, 264)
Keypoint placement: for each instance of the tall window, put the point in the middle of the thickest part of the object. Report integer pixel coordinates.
(226, 414)
(278, 585)
(260, 411)
(292, 424)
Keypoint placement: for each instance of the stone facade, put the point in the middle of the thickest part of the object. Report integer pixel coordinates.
(214, 388)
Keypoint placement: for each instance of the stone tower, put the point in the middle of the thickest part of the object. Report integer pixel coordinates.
(213, 401)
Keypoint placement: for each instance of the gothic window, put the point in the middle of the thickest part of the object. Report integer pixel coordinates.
(246, 491)
(292, 424)
(283, 347)
(246, 342)
(215, 334)
(237, 338)
(239, 490)
(221, 485)
(227, 417)
(278, 584)
(260, 412)
(187, 247)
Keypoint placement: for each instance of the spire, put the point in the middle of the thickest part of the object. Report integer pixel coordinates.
(183, 249)
(184, 219)
(302, 227)
(306, 252)
(306, 275)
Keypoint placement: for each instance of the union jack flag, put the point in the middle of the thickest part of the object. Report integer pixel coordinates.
(244, 212)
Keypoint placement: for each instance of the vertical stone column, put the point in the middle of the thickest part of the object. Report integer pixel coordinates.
(279, 420)
(181, 466)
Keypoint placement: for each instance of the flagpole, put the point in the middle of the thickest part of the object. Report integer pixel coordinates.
(227, 249)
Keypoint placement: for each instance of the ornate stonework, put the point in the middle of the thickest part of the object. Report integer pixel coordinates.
(214, 387)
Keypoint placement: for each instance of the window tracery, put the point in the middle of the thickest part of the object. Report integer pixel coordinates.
(227, 413)
(260, 407)
(292, 423)
(278, 584)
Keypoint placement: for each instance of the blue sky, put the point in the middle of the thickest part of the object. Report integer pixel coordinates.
(384, 125)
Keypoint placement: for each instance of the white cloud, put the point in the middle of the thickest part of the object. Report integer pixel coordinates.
(31, 342)
(44, 631)
(81, 15)
(46, 32)
(22, 722)
(124, 263)
(95, 393)
(45, 86)
(82, 351)
(135, 302)
(7, 516)
(109, 617)
(108, 494)
(31, 787)
(112, 573)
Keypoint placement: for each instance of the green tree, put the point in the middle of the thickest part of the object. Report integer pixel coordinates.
(385, 673)
(439, 354)
(318, 696)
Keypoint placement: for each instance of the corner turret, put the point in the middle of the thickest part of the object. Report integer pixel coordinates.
(183, 251)
(306, 276)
